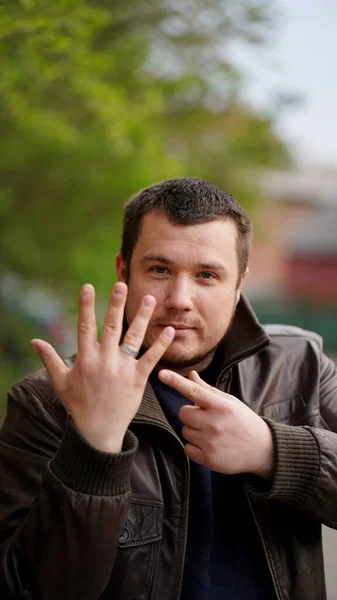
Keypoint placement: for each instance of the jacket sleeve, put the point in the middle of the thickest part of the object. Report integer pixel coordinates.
(63, 505)
(305, 475)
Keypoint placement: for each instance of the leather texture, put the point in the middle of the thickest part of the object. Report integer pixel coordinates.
(79, 523)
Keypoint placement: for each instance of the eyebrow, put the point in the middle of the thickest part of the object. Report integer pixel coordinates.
(166, 261)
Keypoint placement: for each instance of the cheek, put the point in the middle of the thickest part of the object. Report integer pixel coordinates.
(133, 301)
(219, 308)
(158, 291)
(137, 290)
(129, 312)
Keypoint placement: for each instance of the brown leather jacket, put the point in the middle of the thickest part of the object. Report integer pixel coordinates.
(77, 523)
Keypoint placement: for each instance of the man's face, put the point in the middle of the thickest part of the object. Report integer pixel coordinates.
(192, 271)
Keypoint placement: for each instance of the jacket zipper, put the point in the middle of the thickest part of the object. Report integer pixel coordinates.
(257, 349)
(265, 550)
(264, 544)
(186, 522)
(187, 489)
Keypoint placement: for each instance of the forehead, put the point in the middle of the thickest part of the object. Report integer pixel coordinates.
(215, 239)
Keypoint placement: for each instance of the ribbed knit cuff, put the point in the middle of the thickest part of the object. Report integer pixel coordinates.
(90, 471)
(297, 465)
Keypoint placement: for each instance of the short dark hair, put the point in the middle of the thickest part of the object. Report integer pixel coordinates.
(185, 201)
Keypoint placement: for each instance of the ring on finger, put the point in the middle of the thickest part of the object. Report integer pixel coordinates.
(129, 350)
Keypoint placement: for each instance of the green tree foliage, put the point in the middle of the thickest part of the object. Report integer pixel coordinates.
(101, 98)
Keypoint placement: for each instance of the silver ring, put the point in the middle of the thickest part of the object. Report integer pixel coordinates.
(129, 350)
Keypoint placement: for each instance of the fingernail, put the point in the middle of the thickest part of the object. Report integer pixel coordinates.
(170, 332)
(164, 375)
(195, 374)
(34, 345)
(86, 291)
(118, 290)
(149, 301)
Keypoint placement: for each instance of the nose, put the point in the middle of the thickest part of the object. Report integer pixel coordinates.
(179, 294)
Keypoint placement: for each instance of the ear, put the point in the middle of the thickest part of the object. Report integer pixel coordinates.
(120, 268)
(238, 291)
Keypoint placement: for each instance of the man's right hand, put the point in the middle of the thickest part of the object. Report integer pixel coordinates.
(104, 389)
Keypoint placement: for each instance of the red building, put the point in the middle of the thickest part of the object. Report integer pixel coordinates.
(312, 260)
(294, 254)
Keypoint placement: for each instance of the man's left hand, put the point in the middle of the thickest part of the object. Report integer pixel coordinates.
(222, 432)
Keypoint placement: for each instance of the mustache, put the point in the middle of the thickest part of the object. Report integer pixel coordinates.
(176, 318)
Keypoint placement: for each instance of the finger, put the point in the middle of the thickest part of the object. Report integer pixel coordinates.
(86, 324)
(191, 435)
(203, 398)
(153, 355)
(135, 334)
(193, 416)
(194, 376)
(195, 454)
(55, 366)
(113, 323)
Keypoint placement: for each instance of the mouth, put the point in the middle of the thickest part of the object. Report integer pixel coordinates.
(181, 329)
(177, 325)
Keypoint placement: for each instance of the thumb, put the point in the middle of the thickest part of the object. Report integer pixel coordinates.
(55, 366)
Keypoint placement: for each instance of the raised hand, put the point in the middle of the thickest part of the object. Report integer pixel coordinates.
(104, 389)
(222, 432)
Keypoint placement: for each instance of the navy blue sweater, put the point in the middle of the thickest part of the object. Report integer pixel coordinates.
(224, 556)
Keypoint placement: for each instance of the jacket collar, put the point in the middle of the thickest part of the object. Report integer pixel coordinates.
(245, 337)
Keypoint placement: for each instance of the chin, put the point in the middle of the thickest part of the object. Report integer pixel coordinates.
(183, 359)
(175, 364)
(176, 358)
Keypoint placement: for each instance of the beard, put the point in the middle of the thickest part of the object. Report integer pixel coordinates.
(185, 362)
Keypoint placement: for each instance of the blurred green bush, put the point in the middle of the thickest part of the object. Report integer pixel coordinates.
(99, 99)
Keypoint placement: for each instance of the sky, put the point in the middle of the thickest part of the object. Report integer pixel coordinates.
(300, 59)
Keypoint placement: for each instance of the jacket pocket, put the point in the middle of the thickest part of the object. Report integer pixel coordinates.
(143, 525)
(139, 543)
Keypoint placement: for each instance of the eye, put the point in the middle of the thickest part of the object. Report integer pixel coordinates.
(159, 270)
(206, 275)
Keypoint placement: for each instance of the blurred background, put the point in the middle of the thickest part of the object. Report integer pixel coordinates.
(101, 98)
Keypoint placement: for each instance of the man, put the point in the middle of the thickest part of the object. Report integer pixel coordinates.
(191, 454)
